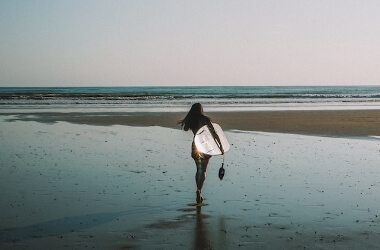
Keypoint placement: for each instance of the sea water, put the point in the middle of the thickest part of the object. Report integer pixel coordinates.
(178, 99)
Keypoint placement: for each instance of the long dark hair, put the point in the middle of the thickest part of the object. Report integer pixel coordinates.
(194, 118)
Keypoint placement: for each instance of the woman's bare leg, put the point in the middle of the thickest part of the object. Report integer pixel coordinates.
(200, 176)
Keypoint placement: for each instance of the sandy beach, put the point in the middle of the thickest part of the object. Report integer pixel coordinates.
(325, 123)
(294, 180)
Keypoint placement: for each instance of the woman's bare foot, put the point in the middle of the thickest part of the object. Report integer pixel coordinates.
(199, 197)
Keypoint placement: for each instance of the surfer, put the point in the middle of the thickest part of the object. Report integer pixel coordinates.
(194, 120)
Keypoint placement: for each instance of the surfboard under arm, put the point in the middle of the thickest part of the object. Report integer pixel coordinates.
(208, 144)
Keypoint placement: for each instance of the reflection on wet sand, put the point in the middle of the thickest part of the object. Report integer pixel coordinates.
(194, 224)
(206, 238)
(201, 236)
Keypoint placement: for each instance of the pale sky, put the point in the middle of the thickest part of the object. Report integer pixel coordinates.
(196, 42)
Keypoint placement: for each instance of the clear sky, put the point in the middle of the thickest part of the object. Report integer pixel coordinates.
(196, 42)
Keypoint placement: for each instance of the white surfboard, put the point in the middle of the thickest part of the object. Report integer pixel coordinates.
(207, 144)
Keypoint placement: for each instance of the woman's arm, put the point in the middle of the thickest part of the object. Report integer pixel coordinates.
(215, 135)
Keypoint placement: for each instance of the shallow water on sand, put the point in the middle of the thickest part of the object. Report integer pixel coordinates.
(78, 186)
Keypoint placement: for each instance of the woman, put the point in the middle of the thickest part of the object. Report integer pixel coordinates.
(194, 120)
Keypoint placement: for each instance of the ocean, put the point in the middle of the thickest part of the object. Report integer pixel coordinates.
(172, 99)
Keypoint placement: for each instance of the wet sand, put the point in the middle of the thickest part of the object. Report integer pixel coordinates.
(326, 123)
(68, 184)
